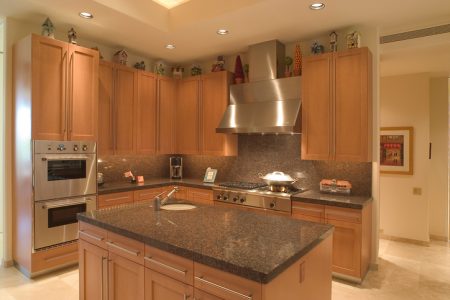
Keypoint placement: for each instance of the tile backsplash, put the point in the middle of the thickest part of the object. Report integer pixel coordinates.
(257, 154)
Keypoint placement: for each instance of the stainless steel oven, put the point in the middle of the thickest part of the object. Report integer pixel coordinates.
(64, 169)
(55, 221)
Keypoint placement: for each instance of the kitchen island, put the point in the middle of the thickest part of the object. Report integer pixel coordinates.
(135, 252)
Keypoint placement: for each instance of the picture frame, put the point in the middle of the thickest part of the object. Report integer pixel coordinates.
(396, 150)
(210, 175)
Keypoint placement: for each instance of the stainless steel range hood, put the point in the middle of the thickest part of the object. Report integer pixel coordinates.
(266, 104)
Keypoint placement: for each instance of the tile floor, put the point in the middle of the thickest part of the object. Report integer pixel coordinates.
(406, 271)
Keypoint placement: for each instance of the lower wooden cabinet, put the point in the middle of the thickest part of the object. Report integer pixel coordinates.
(92, 264)
(126, 279)
(161, 287)
(202, 295)
(114, 199)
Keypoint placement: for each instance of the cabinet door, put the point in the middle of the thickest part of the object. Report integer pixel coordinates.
(82, 111)
(202, 196)
(49, 76)
(161, 287)
(146, 113)
(187, 116)
(166, 115)
(93, 275)
(201, 295)
(147, 194)
(105, 144)
(346, 248)
(353, 111)
(126, 279)
(317, 109)
(125, 93)
(308, 212)
(214, 102)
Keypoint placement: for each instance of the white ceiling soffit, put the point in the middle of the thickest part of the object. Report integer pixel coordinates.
(146, 27)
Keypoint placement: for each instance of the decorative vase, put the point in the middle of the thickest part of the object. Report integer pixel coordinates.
(297, 61)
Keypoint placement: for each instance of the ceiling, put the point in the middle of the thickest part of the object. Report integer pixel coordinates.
(145, 27)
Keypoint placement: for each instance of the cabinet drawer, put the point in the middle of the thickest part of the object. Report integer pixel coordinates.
(147, 194)
(308, 209)
(200, 195)
(225, 285)
(92, 234)
(126, 247)
(201, 295)
(114, 199)
(55, 257)
(343, 214)
(169, 264)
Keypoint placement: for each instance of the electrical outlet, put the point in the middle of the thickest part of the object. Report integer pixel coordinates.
(417, 191)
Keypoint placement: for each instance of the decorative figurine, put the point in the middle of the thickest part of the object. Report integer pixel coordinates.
(159, 68)
(219, 64)
(353, 40)
(246, 71)
(297, 61)
(140, 65)
(121, 57)
(48, 29)
(288, 63)
(196, 70)
(72, 35)
(238, 71)
(317, 49)
(333, 41)
(99, 53)
(177, 72)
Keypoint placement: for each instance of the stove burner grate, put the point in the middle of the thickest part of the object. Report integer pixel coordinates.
(243, 185)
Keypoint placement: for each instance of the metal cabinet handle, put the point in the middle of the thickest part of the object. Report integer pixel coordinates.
(92, 236)
(150, 259)
(131, 252)
(103, 295)
(249, 297)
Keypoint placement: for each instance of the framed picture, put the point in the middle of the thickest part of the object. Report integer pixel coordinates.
(210, 175)
(396, 150)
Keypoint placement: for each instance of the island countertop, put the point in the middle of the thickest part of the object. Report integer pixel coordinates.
(243, 243)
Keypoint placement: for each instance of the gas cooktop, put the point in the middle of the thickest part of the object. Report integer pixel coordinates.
(243, 185)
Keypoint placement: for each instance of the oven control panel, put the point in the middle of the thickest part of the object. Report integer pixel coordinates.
(69, 147)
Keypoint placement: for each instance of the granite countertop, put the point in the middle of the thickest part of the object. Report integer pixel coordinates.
(124, 186)
(239, 242)
(347, 201)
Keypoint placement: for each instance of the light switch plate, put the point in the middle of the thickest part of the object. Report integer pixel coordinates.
(417, 191)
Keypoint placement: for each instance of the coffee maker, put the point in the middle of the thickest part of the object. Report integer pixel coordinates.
(176, 167)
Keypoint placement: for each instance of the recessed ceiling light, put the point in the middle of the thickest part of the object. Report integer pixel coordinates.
(222, 31)
(317, 6)
(170, 46)
(86, 15)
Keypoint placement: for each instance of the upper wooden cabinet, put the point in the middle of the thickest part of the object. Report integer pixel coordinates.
(201, 102)
(64, 88)
(146, 113)
(165, 115)
(337, 106)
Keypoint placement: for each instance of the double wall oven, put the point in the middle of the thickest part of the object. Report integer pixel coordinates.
(65, 183)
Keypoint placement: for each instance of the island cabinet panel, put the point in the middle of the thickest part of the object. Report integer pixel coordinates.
(126, 279)
(225, 285)
(125, 247)
(92, 234)
(202, 295)
(187, 116)
(161, 287)
(308, 212)
(146, 113)
(214, 101)
(337, 106)
(114, 199)
(92, 264)
(166, 103)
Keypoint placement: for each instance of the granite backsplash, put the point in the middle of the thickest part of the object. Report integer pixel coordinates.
(257, 154)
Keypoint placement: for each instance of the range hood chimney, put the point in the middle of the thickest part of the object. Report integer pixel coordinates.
(268, 104)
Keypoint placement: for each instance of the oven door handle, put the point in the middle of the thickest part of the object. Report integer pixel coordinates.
(47, 206)
(64, 157)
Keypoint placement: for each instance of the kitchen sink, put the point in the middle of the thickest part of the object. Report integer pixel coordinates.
(178, 206)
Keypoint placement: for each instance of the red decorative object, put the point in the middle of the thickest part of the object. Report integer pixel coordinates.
(238, 71)
(297, 61)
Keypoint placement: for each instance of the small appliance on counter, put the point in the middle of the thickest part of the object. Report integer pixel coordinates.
(334, 186)
(176, 167)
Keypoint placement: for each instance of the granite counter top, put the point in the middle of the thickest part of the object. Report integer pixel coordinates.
(243, 243)
(347, 201)
(125, 186)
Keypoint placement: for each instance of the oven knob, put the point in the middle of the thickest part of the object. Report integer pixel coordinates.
(272, 204)
(225, 197)
(242, 200)
(235, 198)
(75, 148)
(84, 148)
(219, 197)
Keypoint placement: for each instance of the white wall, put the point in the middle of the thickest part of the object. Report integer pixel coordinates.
(438, 176)
(404, 101)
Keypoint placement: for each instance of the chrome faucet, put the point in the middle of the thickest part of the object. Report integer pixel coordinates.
(158, 202)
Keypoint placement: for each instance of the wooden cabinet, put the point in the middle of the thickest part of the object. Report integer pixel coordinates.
(214, 101)
(188, 116)
(337, 106)
(202, 196)
(146, 113)
(126, 279)
(105, 144)
(114, 199)
(64, 89)
(308, 212)
(166, 104)
(161, 287)
(92, 264)
(147, 194)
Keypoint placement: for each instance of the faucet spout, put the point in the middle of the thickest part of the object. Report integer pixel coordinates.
(158, 202)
